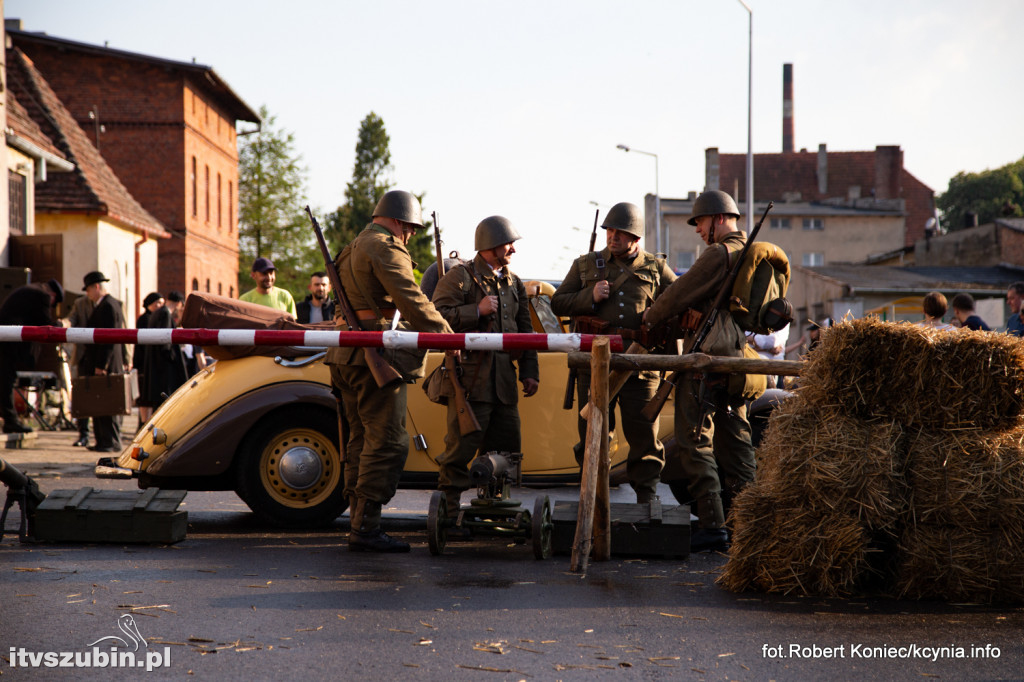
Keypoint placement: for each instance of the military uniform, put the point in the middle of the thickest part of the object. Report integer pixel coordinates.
(376, 273)
(489, 377)
(719, 457)
(635, 282)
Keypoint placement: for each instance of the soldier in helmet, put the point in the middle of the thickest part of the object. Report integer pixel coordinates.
(608, 291)
(715, 452)
(376, 273)
(484, 295)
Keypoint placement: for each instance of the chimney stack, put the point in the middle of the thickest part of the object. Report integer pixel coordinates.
(787, 107)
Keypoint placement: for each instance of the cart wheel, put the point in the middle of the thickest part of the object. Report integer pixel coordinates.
(541, 530)
(437, 522)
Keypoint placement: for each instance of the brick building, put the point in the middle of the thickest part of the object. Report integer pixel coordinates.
(167, 129)
(829, 206)
(83, 218)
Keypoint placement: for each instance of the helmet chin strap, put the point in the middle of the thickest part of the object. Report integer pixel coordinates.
(711, 231)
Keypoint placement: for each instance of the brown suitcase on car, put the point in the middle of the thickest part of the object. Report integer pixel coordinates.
(101, 396)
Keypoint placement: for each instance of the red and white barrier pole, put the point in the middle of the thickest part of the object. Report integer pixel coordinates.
(558, 343)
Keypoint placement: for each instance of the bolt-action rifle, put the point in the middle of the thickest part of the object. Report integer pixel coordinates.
(452, 367)
(570, 383)
(383, 373)
(654, 406)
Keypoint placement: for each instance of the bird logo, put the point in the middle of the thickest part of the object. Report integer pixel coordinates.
(126, 623)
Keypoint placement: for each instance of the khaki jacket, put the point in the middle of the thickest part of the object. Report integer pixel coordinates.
(634, 284)
(375, 270)
(698, 288)
(488, 376)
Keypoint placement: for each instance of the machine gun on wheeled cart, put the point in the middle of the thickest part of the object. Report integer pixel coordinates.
(493, 512)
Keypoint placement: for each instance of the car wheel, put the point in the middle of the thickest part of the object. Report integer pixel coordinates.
(288, 469)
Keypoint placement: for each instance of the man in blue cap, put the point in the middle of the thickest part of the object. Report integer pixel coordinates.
(30, 305)
(265, 274)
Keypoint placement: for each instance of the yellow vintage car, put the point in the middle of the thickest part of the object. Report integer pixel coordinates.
(267, 428)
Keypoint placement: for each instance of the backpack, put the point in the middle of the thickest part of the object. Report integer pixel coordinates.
(758, 299)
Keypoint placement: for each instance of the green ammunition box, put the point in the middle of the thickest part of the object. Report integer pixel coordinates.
(636, 529)
(129, 516)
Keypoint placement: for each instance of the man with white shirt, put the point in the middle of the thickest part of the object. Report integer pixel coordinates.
(318, 305)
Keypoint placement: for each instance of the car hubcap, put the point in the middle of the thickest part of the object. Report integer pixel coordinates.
(300, 468)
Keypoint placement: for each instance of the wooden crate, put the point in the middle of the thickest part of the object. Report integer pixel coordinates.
(637, 529)
(90, 515)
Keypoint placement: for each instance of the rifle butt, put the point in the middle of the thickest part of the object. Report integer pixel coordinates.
(570, 389)
(383, 373)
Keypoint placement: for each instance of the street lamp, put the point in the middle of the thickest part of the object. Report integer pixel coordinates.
(750, 98)
(657, 193)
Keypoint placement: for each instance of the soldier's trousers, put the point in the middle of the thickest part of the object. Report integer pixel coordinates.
(378, 443)
(646, 456)
(499, 430)
(721, 457)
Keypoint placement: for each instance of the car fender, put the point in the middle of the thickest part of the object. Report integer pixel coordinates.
(209, 448)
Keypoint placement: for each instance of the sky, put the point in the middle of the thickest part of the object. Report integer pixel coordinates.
(516, 108)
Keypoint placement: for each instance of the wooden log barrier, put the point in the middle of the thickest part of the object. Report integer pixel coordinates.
(593, 527)
(692, 362)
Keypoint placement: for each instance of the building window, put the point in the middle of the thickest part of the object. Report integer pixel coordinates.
(207, 168)
(195, 284)
(780, 224)
(218, 201)
(231, 291)
(811, 260)
(207, 285)
(18, 197)
(195, 192)
(231, 207)
(220, 288)
(814, 224)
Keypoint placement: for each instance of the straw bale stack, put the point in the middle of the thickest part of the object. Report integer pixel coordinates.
(898, 468)
(918, 376)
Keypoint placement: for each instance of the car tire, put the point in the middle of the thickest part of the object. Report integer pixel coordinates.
(288, 469)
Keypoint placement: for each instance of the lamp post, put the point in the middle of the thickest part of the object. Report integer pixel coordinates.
(657, 194)
(750, 99)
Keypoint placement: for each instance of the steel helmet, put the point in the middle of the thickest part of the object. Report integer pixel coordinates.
(626, 217)
(494, 231)
(399, 205)
(713, 202)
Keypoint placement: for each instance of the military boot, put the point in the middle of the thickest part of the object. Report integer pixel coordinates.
(453, 507)
(710, 534)
(646, 495)
(366, 535)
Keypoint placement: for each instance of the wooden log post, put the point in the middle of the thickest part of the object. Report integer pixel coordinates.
(595, 450)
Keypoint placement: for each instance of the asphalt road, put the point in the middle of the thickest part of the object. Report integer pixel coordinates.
(238, 599)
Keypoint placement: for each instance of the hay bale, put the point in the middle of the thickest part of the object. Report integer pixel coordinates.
(961, 564)
(793, 551)
(970, 479)
(975, 379)
(918, 376)
(826, 461)
(868, 368)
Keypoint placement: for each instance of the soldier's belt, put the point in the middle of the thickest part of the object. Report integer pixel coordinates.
(385, 313)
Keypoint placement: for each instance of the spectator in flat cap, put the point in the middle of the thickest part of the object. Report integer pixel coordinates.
(265, 274)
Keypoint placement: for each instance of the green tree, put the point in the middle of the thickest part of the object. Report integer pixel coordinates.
(271, 208)
(989, 195)
(370, 180)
